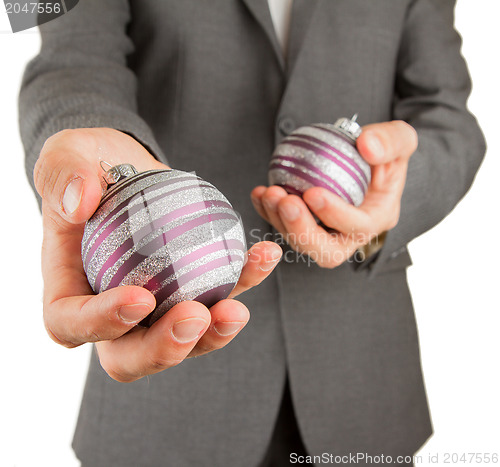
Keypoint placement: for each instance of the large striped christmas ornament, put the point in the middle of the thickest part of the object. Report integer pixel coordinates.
(322, 155)
(168, 231)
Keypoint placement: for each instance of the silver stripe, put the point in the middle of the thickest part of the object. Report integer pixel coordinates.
(192, 289)
(143, 272)
(155, 211)
(192, 237)
(339, 175)
(105, 210)
(339, 143)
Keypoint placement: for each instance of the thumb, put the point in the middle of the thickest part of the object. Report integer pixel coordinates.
(69, 183)
(380, 143)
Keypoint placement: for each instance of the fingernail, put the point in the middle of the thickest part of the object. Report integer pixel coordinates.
(375, 145)
(271, 203)
(134, 313)
(187, 330)
(317, 202)
(227, 328)
(290, 212)
(72, 196)
(271, 262)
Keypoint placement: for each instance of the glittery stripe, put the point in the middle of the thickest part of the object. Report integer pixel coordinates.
(226, 245)
(314, 181)
(338, 135)
(120, 186)
(308, 166)
(171, 287)
(146, 190)
(161, 240)
(348, 141)
(211, 297)
(334, 159)
(126, 215)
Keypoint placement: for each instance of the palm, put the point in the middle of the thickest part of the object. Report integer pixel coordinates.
(74, 315)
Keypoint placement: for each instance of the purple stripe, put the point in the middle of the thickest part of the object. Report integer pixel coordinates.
(340, 154)
(338, 135)
(315, 181)
(211, 297)
(127, 201)
(157, 223)
(208, 298)
(161, 240)
(124, 216)
(171, 287)
(226, 245)
(308, 166)
(350, 162)
(290, 189)
(137, 257)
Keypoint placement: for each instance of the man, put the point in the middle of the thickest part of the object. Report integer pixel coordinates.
(329, 361)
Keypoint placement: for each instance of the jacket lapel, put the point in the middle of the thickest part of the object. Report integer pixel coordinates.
(260, 11)
(302, 12)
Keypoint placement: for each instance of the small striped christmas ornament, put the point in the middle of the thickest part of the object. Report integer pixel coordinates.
(322, 155)
(167, 231)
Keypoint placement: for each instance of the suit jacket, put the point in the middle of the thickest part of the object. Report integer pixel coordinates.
(204, 85)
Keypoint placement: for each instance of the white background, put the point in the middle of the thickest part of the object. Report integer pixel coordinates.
(454, 282)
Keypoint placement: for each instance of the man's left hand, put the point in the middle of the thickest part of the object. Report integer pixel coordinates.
(387, 147)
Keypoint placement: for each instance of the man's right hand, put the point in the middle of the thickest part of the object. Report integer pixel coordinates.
(68, 178)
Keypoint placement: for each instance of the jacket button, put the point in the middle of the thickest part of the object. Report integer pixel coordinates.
(286, 125)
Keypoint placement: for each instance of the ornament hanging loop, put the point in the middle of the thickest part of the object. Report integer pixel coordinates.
(103, 163)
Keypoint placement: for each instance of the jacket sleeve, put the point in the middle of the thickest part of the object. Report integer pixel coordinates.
(80, 79)
(432, 87)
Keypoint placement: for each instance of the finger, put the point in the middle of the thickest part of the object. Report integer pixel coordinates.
(68, 174)
(256, 197)
(72, 321)
(262, 259)
(165, 344)
(306, 236)
(228, 319)
(380, 143)
(68, 183)
(379, 212)
(270, 200)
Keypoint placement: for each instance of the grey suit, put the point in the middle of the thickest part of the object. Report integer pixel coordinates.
(203, 84)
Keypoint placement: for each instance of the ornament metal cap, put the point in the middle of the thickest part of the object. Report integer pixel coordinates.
(349, 127)
(118, 172)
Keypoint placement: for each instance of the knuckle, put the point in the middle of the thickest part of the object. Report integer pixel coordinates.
(330, 259)
(329, 264)
(113, 371)
(39, 172)
(323, 260)
(90, 335)
(206, 347)
(393, 221)
(57, 338)
(47, 174)
(411, 134)
(52, 163)
(159, 362)
(119, 377)
(65, 136)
